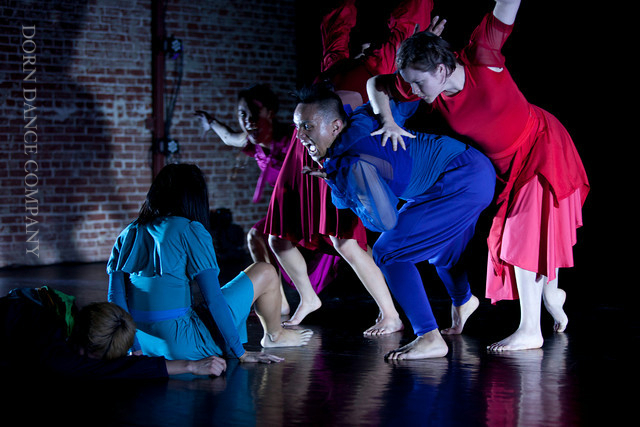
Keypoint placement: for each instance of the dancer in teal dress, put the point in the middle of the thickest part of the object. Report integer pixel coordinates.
(156, 257)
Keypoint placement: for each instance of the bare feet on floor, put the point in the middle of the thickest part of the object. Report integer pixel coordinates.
(554, 301)
(459, 316)
(519, 340)
(426, 346)
(304, 308)
(287, 338)
(385, 326)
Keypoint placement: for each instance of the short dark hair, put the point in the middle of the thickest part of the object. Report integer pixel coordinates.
(104, 330)
(263, 94)
(424, 51)
(177, 190)
(329, 103)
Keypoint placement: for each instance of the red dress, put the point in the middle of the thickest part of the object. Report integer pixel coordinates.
(351, 74)
(269, 161)
(301, 210)
(322, 268)
(528, 147)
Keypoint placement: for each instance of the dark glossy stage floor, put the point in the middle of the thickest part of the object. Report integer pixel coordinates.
(586, 376)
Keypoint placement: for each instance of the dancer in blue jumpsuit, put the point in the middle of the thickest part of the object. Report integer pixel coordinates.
(444, 183)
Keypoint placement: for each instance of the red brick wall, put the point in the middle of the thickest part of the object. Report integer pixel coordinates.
(85, 167)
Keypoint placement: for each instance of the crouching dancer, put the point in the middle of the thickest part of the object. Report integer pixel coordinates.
(445, 185)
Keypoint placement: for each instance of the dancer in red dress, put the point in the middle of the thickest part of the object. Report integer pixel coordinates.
(545, 184)
(264, 138)
(301, 213)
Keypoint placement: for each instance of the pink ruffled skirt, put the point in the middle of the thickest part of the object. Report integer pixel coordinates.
(539, 235)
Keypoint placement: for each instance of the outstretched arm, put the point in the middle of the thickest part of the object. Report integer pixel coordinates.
(228, 136)
(380, 91)
(506, 10)
(212, 365)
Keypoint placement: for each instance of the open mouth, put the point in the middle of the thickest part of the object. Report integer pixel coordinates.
(312, 149)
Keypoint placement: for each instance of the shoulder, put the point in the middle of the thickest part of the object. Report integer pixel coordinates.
(131, 228)
(180, 225)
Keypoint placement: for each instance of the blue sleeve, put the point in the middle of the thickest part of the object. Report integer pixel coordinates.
(117, 294)
(401, 111)
(364, 117)
(198, 245)
(359, 187)
(210, 287)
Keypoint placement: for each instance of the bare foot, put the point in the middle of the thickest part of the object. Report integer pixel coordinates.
(304, 308)
(554, 300)
(519, 340)
(425, 346)
(385, 326)
(459, 316)
(287, 338)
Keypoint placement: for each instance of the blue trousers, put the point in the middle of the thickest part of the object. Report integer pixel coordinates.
(436, 227)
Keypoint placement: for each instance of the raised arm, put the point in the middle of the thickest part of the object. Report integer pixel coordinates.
(226, 134)
(506, 10)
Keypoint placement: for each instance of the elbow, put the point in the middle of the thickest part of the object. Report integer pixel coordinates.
(377, 83)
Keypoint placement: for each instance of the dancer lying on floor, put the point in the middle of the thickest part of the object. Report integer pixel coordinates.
(155, 258)
(43, 332)
(445, 185)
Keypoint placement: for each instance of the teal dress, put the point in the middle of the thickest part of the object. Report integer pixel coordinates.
(151, 268)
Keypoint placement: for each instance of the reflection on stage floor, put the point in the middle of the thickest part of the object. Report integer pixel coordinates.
(341, 377)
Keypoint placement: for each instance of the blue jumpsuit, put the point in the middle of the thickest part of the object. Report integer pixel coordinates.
(445, 186)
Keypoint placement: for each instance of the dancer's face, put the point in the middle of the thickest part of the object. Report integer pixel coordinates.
(425, 84)
(315, 132)
(256, 120)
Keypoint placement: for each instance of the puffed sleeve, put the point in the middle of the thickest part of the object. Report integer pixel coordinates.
(198, 245)
(136, 252)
